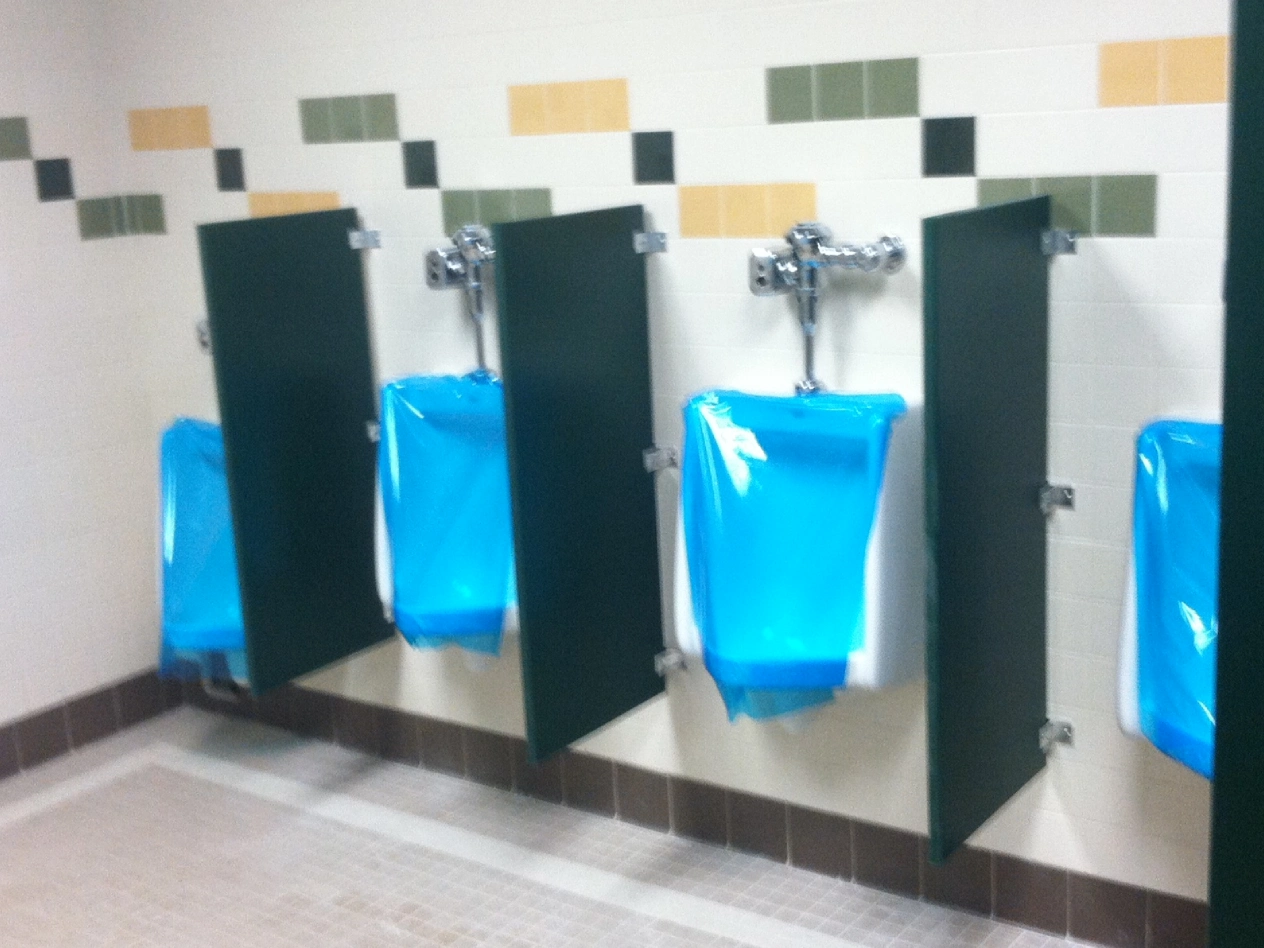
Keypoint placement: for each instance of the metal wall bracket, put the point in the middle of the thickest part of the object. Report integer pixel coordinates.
(1056, 732)
(373, 430)
(365, 239)
(659, 459)
(650, 241)
(204, 335)
(668, 660)
(1055, 497)
(1055, 242)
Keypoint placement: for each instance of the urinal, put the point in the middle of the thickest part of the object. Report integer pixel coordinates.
(445, 494)
(779, 498)
(202, 630)
(1167, 666)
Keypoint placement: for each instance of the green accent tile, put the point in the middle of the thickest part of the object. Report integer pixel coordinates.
(15, 139)
(838, 90)
(533, 202)
(317, 123)
(96, 218)
(1072, 202)
(1124, 205)
(496, 207)
(459, 208)
(380, 122)
(347, 116)
(891, 88)
(789, 91)
(1001, 190)
(144, 214)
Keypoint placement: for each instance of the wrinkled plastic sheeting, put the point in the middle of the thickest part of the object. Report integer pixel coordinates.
(779, 496)
(202, 630)
(1176, 537)
(445, 493)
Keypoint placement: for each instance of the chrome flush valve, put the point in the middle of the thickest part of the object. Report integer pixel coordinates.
(464, 265)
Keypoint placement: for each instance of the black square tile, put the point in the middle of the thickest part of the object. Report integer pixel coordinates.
(489, 758)
(42, 737)
(642, 797)
(1031, 895)
(421, 169)
(230, 169)
(886, 858)
(1176, 923)
(588, 783)
(400, 736)
(699, 811)
(757, 825)
(820, 842)
(1106, 912)
(276, 707)
(964, 881)
(442, 747)
(948, 147)
(172, 693)
(52, 179)
(92, 717)
(8, 753)
(356, 726)
(311, 714)
(139, 699)
(653, 158)
(543, 780)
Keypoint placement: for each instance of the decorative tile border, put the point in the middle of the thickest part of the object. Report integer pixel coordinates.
(278, 203)
(1164, 72)
(170, 129)
(653, 158)
(421, 165)
(230, 169)
(744, 210)
(15, 139)
(349, 118)
(121, 216)
(556, 108)
(494, 206)
(53, 180)
(1097, 206)
(875, 88)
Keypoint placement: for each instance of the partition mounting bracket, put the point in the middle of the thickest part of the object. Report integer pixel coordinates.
(649, 241)
(668, 660)
(365, 239)
(1056, 732)
(1056, 242)
(660, 459)
(1054, 497)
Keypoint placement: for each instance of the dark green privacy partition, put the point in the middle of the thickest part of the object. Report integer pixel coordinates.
(986, 364)
(575, 352)
(1237, 835)
(289, 332)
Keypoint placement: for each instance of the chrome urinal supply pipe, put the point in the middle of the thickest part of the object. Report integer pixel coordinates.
(464, 264)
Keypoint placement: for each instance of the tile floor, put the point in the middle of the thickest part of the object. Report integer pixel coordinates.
(196, 830)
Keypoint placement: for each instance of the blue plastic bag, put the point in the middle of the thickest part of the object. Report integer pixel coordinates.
(779, 496)
(202, 629)
(445, 494)
(1176, 537)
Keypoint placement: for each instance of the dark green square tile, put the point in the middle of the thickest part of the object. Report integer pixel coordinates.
(15, 139)
(1124, 205)
(316, 120)
(653, 158)
(346, 115)
(53, 181)
(420, 168)
(891, 88)
(230, 169)
(496, 207)
(380, 123)
(529, 203)
(459, 208)
(839, 90)
(96, 219)
(948, 147)
(144, 214)
(1002, 190)
(789, 90)
(1072, 204)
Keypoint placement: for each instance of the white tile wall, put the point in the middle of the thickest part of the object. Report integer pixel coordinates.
(1136, 322)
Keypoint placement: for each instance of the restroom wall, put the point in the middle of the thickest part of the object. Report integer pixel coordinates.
(414, 114)
(77, 467)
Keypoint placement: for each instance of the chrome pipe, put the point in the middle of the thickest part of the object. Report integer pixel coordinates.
(464, 264)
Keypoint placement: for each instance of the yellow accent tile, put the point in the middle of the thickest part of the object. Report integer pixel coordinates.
(699, 211)
(788, 204)
(1195, 70)
(276, 203)
(744, 210)
(1128, 74)
(526, 110)
(170, 129)
(608, 105)
(566, 107)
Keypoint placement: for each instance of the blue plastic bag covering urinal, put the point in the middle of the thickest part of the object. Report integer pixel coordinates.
(778, 502)
(445, 492)
(202, 630)
(1168, 647)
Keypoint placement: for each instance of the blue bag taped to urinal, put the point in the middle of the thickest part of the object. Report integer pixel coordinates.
(202, 630)
(1176, 537)
(779, 496)
(445, 494)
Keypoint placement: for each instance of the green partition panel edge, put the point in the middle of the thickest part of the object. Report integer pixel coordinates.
(572, 304)
(1237, 837)
(294, 377)
(986, 376)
